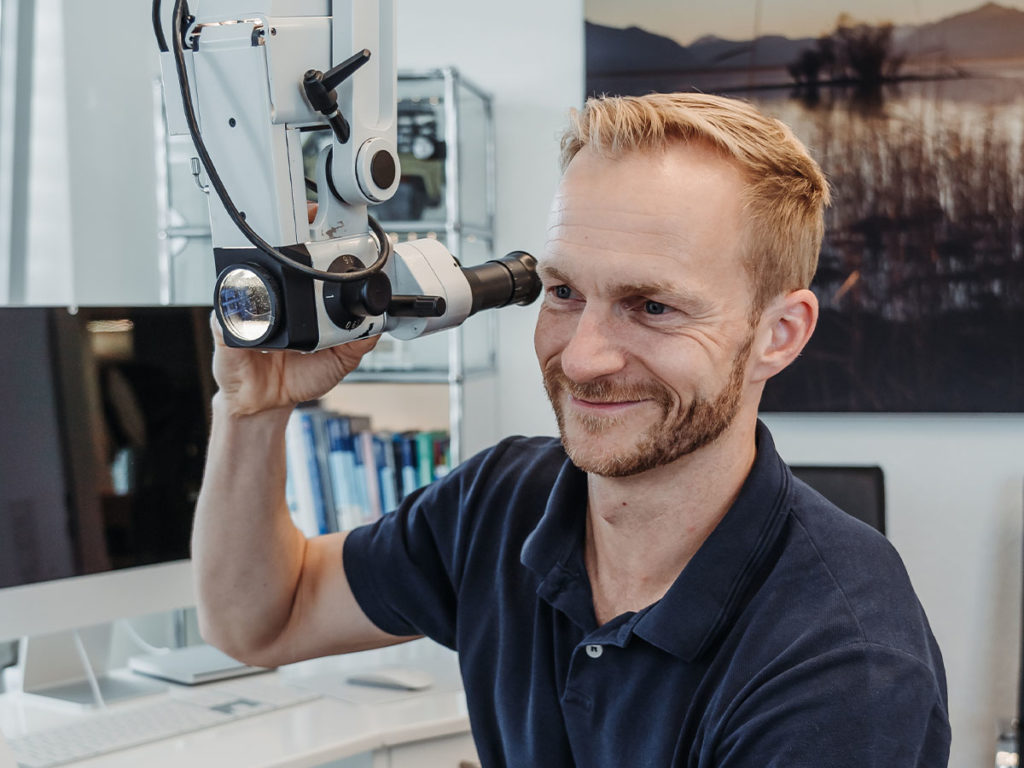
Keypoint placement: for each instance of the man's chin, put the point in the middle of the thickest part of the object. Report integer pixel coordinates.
(599, 455)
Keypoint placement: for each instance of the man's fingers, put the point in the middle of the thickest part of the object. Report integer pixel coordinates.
(218, 333)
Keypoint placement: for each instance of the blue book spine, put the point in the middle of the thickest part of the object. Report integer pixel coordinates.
(339, 465)
(313, 467)
(406, 460)
(298, 477)
(359, 482)
(289, 487)
(386, 480)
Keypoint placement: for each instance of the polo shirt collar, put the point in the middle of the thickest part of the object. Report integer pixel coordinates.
(716, 583)
(711, 589)
(554, 549)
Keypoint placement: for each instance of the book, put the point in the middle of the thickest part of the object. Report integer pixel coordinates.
(341, 461)
(308, 418)
(432, 456)
(342, 474)
(366, 456)
(387, 480)
(424, 459)
(318, 418)
(359, 484)
(442, 454)
(406, 464)
(297, 461)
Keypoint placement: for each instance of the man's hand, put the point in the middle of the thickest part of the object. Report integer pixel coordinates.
(253, 380)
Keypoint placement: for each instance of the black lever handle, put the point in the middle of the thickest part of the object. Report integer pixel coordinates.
(320, 91)
(417, 306)
(335, 76)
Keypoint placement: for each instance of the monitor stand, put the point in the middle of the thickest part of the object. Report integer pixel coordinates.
(73, 668)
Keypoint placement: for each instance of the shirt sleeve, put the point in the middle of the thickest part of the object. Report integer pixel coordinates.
(859, 706)
(400, 567)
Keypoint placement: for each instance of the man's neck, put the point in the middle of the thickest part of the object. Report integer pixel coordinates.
(643, 530)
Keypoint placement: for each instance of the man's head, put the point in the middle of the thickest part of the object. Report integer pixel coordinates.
(682, 239)
(785, 194)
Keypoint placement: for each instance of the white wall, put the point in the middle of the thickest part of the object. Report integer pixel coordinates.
(92, 226)
(953, 482)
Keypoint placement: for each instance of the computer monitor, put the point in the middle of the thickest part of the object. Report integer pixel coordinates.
(857, 490)
(104, 418)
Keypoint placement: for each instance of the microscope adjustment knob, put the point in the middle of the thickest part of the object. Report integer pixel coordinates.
(348, 304)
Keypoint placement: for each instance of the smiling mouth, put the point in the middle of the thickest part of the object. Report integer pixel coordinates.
(604, 405)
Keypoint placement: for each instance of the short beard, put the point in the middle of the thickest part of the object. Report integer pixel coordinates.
(700, 424)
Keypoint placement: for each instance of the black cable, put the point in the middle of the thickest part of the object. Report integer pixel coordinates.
(158, 29)
(383, 242)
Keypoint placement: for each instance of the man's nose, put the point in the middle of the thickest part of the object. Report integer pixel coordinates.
(595, 349)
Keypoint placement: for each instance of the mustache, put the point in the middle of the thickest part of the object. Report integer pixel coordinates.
(603, 390)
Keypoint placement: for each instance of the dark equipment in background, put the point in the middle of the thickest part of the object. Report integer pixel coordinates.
(104, 422)
(857, 490)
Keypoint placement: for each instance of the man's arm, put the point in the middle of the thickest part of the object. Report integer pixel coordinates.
(267, 595)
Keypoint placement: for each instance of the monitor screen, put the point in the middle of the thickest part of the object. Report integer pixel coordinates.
(104, 417)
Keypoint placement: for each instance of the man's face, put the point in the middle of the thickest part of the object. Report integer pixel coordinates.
(644, 332)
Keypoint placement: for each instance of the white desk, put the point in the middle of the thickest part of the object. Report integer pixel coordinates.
(350, 726)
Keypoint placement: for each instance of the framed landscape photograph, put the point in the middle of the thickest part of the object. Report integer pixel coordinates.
(917, 118)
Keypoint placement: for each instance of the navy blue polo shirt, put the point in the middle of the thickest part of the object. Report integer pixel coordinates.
(792, 638)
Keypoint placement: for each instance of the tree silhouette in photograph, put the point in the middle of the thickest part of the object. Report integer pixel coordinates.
(863, 54)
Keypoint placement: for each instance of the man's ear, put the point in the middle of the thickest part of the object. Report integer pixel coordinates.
(784, 329)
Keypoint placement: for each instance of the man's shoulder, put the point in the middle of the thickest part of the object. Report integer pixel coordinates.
(850, 552)
(848, 577)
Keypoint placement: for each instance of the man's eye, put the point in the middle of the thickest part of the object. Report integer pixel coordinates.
(563, 292)
(654, 308)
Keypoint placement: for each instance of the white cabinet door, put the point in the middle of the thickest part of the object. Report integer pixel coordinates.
(446, 752)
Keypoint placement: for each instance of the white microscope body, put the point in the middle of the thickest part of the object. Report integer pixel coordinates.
(247, 78)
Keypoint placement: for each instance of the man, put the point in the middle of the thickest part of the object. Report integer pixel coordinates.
(656, 588)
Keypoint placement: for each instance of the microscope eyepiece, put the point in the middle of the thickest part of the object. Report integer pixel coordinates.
(511, 279)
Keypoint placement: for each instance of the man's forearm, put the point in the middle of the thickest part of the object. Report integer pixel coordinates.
(246, 552)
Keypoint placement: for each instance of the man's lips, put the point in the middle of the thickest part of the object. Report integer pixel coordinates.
(603, 406)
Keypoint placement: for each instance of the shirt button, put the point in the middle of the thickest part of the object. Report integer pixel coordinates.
(595, 651)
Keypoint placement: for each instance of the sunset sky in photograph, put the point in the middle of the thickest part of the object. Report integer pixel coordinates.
(687, 20)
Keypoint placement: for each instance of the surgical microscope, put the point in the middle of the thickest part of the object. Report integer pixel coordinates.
(247, 79)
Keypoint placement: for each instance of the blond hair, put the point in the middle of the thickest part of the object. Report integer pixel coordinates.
(786, 191)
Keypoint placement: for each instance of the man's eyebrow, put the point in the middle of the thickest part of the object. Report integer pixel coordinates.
(552, 274)
(679, 298)
(674, 296)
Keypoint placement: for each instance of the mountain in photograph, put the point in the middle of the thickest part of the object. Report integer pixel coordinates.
(610, 49)
(987, 32)
(991, 31)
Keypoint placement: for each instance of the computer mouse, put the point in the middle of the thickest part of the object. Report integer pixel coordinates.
(396, 677)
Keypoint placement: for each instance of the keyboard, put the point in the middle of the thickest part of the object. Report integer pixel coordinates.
(166, 716)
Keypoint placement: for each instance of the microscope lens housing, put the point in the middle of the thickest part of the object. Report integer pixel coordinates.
(247, 304)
